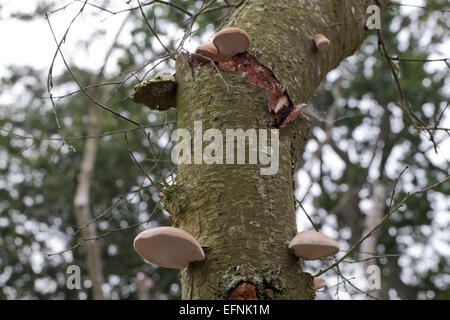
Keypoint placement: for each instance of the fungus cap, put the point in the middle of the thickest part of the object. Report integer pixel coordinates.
(208, 52)
(205, 51)
(231, 41)
(321, 42)
(312, 245)
(319, 283)
(168, 247)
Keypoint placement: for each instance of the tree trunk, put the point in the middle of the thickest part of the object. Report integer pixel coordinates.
(81, 199)
(368, 248)
(81, 204)
(143, 284)
(245, 219)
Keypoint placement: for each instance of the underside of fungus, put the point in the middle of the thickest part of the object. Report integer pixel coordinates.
(168, 247)
(313, 245)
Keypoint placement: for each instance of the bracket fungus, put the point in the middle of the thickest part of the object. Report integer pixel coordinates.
(208, 52)
(319, 283)
(157, 93)
(168, 247)
(231, 41)
(226, 44)
(312, 245)
(321, 42)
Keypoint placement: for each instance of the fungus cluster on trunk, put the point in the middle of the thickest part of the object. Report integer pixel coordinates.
(174, 248)
(171, 247)
(228, 51)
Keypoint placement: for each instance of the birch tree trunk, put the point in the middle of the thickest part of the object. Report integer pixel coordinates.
(246, 220)
(81, 204)
(81, 200)
(368, 248)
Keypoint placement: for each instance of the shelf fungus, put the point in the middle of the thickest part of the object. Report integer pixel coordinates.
(168, 247)
(207, 53)
(157, 93)
(231, 41)
(321, 42)
(312, 245)
(226, 44)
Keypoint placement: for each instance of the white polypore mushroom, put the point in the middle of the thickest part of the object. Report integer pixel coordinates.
(321, 42)
(231, 41)
(168, 247)
(312, 245)
(319, 283)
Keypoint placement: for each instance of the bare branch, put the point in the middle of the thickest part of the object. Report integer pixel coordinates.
(387, 216)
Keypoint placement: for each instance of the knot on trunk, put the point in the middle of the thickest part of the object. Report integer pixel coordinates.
(244, 291)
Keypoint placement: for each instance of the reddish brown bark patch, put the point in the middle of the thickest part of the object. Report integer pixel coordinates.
(258, 75)
(244, 291)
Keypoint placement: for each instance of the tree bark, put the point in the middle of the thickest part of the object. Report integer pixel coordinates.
(368, 248)
(81, 204)
(246, 220)
(81, 200)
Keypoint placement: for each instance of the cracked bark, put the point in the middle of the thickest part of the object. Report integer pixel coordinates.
(243, 218)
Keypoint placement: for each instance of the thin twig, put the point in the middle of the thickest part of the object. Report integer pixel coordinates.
(387, 216)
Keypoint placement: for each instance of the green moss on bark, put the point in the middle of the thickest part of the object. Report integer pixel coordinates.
(157, 93)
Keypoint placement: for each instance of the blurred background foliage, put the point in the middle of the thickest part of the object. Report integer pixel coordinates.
(356, 118)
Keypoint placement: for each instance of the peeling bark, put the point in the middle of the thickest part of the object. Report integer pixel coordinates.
(246, 220)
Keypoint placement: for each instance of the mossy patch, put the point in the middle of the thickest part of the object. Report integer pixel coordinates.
(174, 202)
(157, 93)
(267, 281)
